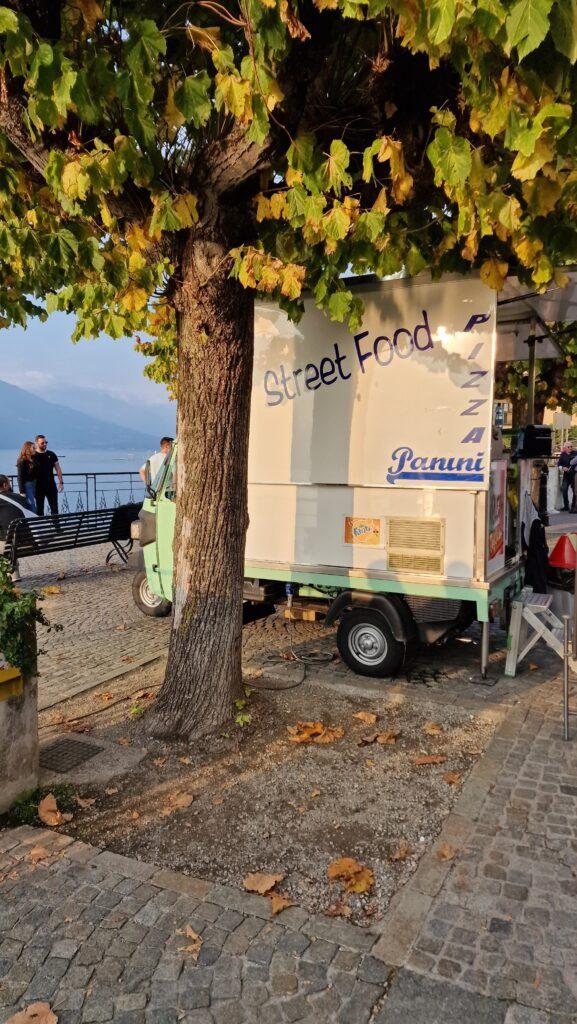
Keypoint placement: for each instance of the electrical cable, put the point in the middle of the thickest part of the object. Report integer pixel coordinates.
(305, 660)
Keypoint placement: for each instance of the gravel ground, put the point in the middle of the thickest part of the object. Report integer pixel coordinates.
(262, 802)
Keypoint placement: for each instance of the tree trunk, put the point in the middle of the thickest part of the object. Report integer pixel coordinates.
(215, 332)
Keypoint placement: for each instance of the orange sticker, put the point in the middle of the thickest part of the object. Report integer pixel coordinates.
(359, 530)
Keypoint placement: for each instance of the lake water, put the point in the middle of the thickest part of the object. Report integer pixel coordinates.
(76, 460)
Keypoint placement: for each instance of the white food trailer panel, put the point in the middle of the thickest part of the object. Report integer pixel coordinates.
(426, 532)
(404, 401)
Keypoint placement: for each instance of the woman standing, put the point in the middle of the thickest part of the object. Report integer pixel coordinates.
(27, 474)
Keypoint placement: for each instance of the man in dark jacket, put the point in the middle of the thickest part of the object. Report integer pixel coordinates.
(567, 475)
(12, 506)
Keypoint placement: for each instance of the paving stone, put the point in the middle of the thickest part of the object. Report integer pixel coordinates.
(65, 948)
(421, 1000)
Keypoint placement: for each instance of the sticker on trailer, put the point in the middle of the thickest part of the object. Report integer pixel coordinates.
(359, 530)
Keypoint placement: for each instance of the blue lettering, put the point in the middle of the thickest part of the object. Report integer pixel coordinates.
(477, 318)
(423, 327)
(475, 436)
(362, 356)
(311, 377)
(272, 394)
(398, 350)
(474, 404)
(477, 376)
(325, 374)
(377, 347)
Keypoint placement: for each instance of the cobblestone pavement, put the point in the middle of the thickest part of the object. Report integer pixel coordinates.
(102, 937)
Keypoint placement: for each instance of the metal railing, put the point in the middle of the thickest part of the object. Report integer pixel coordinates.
(84, 491)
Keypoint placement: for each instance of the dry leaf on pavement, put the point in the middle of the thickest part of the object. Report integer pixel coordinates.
(404, 850)
(258, 881)
(314, 732)
(330, 734)
(135, 815)
(365, 716)
(315, 793)
(124, 741)
(218, 800)
(52, 590)
(367, 739)
(37, 853)
(35, 1013)
(122, 627)
(354, 876)
(84, 801)
(49, 814)
(159, 761)
(185, 760)
(111, 790)
(446, 852)
(194, 946)
(430, 759)
(452, 778)
(279, 902)
(389, 737)
(433, 729)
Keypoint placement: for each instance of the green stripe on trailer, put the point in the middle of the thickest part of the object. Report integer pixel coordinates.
(312, 580)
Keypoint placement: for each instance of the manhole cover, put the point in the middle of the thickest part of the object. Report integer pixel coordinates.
(66, 753)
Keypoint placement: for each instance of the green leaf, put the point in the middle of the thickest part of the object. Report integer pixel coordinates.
(164, 218)
(441, 20)
(450, 155)
(368, 159)
(335, 167)
(564, 28)
(527, 25)
(300, 153)
(8, 20)
(339, 305)
(193, 100)
(147, 43)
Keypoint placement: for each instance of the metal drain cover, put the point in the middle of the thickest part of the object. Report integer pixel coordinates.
(66, 753)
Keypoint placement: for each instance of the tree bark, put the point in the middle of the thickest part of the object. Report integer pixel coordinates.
(215, 330)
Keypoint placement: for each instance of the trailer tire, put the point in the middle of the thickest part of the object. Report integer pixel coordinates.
(367, 645)
(144, 599)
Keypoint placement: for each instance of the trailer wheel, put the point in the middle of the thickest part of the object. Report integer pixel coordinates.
(144, 599)
(367, 645)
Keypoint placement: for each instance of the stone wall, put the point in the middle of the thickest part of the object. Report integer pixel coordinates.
(18, 742)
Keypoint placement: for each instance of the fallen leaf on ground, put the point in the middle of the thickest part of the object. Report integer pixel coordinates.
(452, 778)
(446, 852)
(35, 1013)
(315, 793)
(61, 576)
(218, 800)
(49, 814)
(73, 725)
(37, 853)
(185, 760)
(182, 800)
(194, 945)
(259, 881)
(365, 716)
(279, 902)
(122, 627)
(433, 729)
(143, 694)
(135, 815)
(159, 761)
(111, 790)
(367, 739)
(314, 732)
(389, 737)
(533, 667)
(430, 759)
(105, 696)
(339, 909)
(355, 877)
(52, 590)
(124, 741)
(404, 850)
(84, 801)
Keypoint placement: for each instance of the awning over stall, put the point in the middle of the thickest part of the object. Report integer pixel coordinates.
(522, 312)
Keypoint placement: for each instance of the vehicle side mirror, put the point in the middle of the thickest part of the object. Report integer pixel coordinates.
(148, 481)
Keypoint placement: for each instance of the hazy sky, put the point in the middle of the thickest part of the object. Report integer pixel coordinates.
(43, 356)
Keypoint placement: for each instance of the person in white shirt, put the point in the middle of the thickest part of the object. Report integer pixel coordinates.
(155, 461)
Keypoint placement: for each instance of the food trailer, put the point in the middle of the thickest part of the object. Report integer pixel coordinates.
(378, 483)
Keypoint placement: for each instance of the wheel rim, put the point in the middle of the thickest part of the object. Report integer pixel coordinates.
(147, 597)
(367, 644)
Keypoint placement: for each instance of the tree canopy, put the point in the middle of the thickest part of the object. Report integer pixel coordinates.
(369, 135)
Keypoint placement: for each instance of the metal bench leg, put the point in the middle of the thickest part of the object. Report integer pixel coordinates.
(484, 649)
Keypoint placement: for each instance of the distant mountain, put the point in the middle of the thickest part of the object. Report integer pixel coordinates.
(150, 419)
(23, 415)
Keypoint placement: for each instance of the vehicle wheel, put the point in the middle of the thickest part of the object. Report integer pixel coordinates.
(367, 645)
(145, 600)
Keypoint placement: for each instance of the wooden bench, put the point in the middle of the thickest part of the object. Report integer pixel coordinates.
(47, 534)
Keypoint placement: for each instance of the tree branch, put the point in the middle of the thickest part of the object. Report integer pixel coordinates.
(35, 153)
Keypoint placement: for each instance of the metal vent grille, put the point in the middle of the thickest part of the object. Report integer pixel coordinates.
(432, 609)
(416, 545)
(66, 753)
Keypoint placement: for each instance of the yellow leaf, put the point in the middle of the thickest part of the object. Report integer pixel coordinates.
(541, 195)
(293, 177)
(494, 273)
(446, 852)
(263, 210)
(173, 117)
(136, 238)
(136, 261)
(107, 218)
(185, 208)
(269, 279)
(235, 95)
(526, 167)
(32, 218)
(134, 299)
(402, 181)
(75, 181)
(277, 204)
(355, 876)
(278, 902)
(260, 882)
(206, 38)
(292, 280)
(274, 95)
(433, 729)
(365, 716)
(527, 250)
(380, 204)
